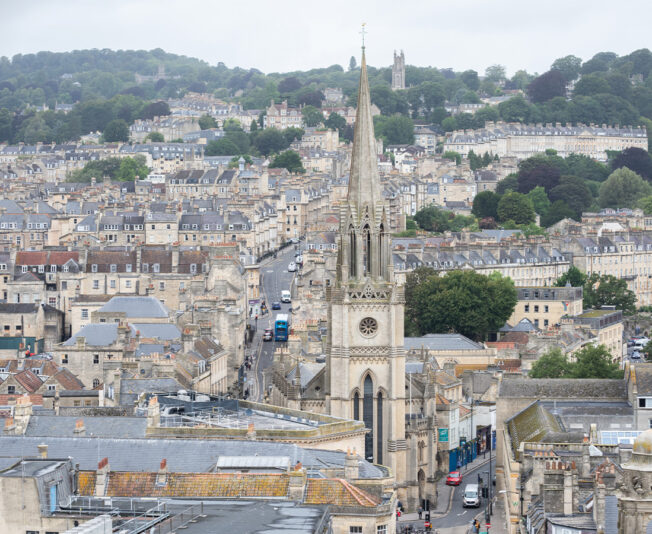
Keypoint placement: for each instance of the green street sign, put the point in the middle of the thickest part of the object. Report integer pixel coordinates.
(443, 434)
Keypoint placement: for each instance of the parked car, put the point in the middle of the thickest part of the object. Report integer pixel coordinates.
(268, 335)
(292, 267)
(454, 478)
(636, 355)
(276, 305)
(299, 260)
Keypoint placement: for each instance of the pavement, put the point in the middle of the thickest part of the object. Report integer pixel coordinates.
(449, 516)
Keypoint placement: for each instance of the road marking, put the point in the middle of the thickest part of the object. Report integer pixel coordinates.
(462, 513)
(269, 271)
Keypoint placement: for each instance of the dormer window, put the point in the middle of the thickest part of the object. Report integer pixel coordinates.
(156, 268)
(114, 268)
(94, 268)
(193, 268)
(128, 267)
(53, 268)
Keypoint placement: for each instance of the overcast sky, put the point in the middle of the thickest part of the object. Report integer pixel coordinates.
(285, 35)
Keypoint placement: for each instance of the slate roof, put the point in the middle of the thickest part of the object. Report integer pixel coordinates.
(132, 388)
(162, 331)
(96, 334)
(136, 307)
(560, 388)
(106, 427)
(441, 342)
(182, 455)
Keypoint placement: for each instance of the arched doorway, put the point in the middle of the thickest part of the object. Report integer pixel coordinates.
(421, 478)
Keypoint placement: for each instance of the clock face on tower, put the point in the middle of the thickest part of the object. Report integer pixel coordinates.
(368, 326)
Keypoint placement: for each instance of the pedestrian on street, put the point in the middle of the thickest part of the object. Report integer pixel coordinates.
(420, 511)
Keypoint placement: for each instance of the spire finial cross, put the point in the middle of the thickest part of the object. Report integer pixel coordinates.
(363, 32)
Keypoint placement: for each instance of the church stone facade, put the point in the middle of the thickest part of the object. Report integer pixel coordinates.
(364, 377)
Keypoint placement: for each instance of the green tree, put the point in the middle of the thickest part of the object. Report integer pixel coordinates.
(395, 130)
(547, 86)
(574, 192)
(453, 156)
(335, 121)
(569, 66)
(646, 205)
(221, 147)
(433, 219)
(516, 109)
(485, 204)
(574, 276)
(516, 207)
(470, 79)
(132, 168)
(253, 126)
(607, 290)
(553, 364)
(509, 183)
(540, 200)
(117, 131)
(460, 301)
(155, 137)
(635, 159)
(352, 63)
(270, 141)
(495, 73)
(206, 122)
(623, 189)
(289, 160)
(449, 124)
(595, 362)
(312, 116)
(557, 211)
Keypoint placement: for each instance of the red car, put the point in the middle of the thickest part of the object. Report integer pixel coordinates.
(454, 478)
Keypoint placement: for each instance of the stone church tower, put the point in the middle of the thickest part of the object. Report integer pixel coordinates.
(364, 377)
(398, 71)
(365, 372)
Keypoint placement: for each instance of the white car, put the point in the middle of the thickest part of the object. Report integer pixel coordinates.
(292, 267)
(299, 259)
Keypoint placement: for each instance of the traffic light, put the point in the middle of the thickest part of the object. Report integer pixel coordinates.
(485, 492)
(428, 516)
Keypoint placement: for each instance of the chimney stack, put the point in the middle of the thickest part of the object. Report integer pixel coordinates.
(162, 476)
(43, 450)
(251, 432)
(101, 477)
(351, 465)
(80, 429)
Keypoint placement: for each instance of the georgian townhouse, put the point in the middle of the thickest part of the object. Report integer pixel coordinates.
(49, 277)
(161, 228)
(191, 184)
(201, 228)
(282, 116)
(108, 272)
(225, 186)
(625, 255)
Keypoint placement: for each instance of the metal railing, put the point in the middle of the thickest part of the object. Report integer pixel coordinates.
(179, 520)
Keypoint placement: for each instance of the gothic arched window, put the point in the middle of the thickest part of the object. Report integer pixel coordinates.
(368, 418)
(379, 429)
(356, 406)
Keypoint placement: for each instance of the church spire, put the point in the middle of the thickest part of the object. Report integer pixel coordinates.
(364, 183)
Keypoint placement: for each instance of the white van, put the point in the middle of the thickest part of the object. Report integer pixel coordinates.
(471, 496)
(285, 296)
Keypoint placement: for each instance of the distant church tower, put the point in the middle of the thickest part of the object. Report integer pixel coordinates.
(365, 375)
(398, 71)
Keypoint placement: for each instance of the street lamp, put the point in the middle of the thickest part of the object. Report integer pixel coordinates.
(520, 496)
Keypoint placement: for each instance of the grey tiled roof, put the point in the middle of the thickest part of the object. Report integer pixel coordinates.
(107, 427)
(188, 456)
(441, 342)
(96, 334)
(551, 388)
(136, 307)
(162, 331)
